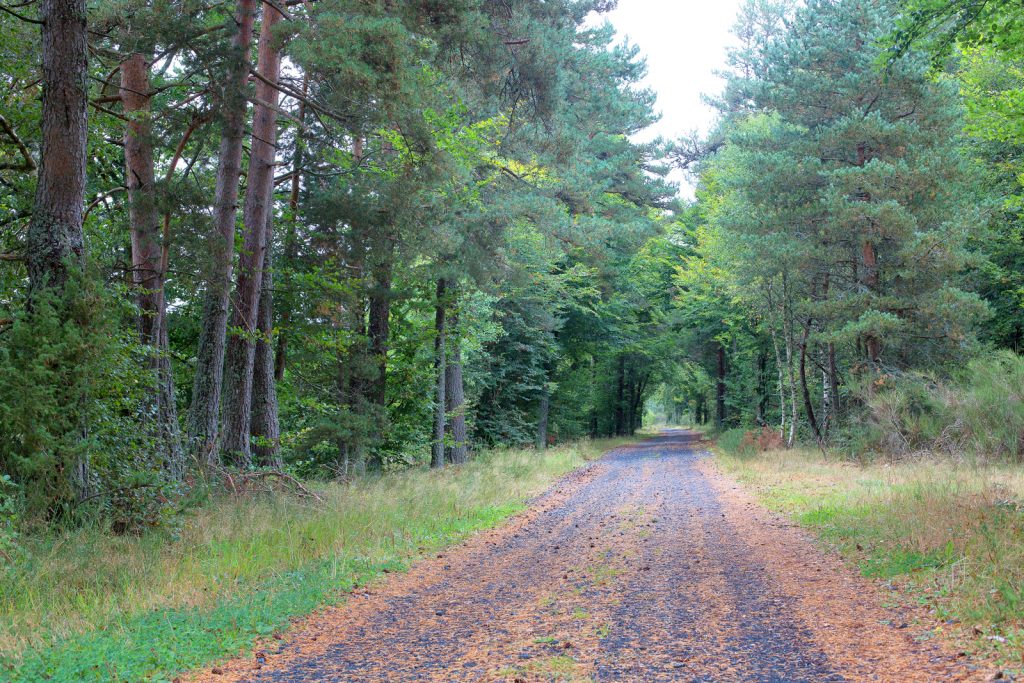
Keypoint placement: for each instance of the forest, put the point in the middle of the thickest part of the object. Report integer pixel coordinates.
(274, 247)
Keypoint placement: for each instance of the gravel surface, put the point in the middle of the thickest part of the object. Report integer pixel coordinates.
(645, 566)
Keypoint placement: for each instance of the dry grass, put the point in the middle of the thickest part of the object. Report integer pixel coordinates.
(951, 534)
(86, 580)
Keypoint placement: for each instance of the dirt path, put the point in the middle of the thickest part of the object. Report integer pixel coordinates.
(646, 566)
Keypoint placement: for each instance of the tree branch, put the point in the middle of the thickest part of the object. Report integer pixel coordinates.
(29, 163)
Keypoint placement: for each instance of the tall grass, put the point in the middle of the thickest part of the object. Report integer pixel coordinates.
(89, 592)
(951, 533)
(977, 413)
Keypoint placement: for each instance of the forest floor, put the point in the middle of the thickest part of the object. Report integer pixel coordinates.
(648, 565)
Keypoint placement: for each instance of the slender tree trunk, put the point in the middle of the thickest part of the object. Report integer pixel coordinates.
(872, 343)
(54, 240)
(291, 242)
(440, 369)
(833, 383)
(720, 389)
(206, 390)
(620, 397)
(148, 270)
(869, 261)
(543, 412)
(455, 395)
(826, 394)
(241, 348)
(808, 404)
(763, 396)
(782, 384)
(380, 322)
(266, 427)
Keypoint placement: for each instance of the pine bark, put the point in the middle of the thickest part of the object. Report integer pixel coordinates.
(54, 241)
(206, 390)
(266, 426)
(241, 346)
(147, 259)
(455, 398)
(437, 458)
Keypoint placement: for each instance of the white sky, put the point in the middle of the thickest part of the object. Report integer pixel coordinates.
(684, 42)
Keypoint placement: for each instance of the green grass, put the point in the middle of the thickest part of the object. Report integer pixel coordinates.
(950, 535)
(86, 606)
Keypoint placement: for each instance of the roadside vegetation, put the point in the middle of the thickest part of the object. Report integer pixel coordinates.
(946, 532)
(84, 605)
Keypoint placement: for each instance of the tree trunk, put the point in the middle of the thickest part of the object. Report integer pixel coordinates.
(291, 237)
(808, 404)
(833, 383)
(543, 412)
(720, 389)
(206, 390)
(620, 397)
(266, 426)
(147, 259)
(440, 370)
(54, 241)
(763, 396)
(380, 322)
(872, 343)
(455, 400)
(241, 348)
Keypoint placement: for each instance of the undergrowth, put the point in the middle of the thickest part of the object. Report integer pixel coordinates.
(88, 606)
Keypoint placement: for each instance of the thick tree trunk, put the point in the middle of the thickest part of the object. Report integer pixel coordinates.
(440, 369)
(54, 240)
(455, 399)
(266, 427)
(720, 388)
(241, 348)
(206, 390)
(147, 259)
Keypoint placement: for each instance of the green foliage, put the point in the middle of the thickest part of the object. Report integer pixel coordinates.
(979, 412)
(71, 399)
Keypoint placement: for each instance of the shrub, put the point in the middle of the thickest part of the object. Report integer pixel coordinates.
(991, 405)
(978, 412)
(73, 384)
(731, 441)
(8, 517)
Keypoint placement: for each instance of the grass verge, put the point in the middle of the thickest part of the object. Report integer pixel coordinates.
(85, 606)
(948, 535)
